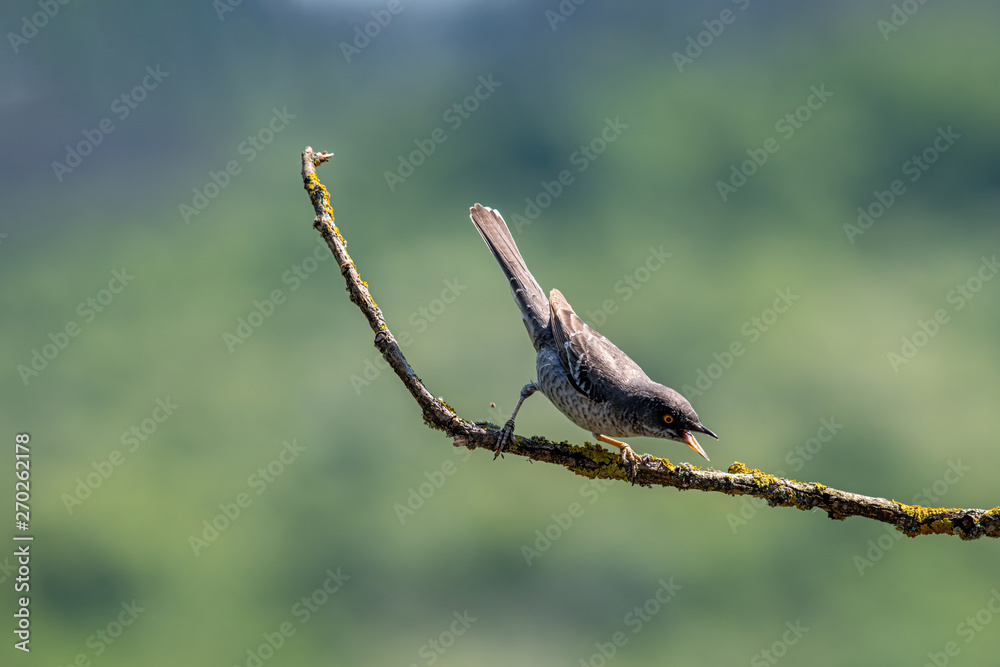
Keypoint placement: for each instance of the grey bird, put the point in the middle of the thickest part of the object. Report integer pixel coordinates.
(581, 372)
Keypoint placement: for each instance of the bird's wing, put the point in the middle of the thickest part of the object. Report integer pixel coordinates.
(591, 361)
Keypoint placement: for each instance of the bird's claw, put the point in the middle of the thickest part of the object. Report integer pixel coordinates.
(505, 436)
(631, 461)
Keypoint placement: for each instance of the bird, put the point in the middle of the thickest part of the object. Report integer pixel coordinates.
(582, 373)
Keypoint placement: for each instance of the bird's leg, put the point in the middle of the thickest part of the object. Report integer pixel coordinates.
(630, 460)
(507, 432)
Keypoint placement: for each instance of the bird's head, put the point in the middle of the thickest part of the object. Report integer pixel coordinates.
(663, 413)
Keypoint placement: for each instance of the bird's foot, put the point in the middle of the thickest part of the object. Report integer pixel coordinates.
(506, 435)
(631, 461)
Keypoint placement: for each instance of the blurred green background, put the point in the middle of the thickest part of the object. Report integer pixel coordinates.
(336, 482)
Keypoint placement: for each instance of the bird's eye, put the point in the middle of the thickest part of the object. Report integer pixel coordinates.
(668, 419)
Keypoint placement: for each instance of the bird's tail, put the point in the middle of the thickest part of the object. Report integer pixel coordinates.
(529, 296)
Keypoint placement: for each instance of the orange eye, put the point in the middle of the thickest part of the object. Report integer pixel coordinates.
(668, 419)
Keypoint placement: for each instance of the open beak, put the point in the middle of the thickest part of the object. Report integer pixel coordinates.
(689, 440)
(693, 444)
(701, 429)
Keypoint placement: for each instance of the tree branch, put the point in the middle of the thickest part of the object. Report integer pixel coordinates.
(594, 461)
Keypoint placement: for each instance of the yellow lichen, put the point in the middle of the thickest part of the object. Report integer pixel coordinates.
(608, 464)
(922, 514)
(938, 527)
(317, 189)
(760, 479)
(943, 526)
(738, 469)
(667, 464)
